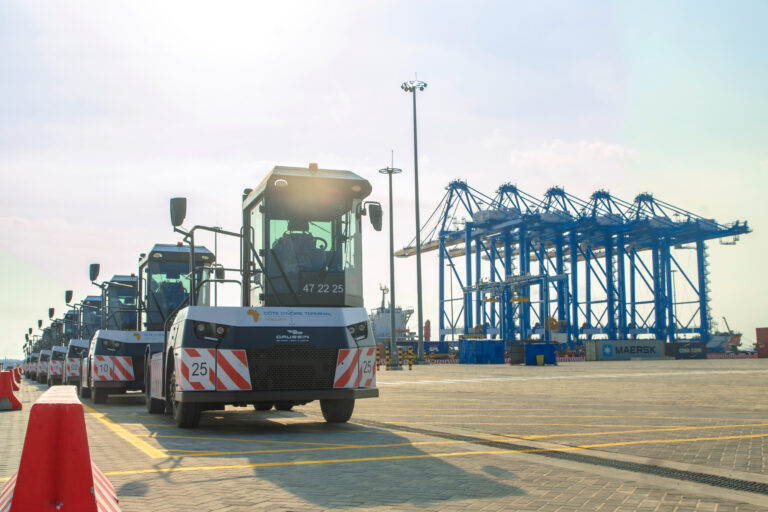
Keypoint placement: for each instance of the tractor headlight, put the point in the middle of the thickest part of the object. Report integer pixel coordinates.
(358, 331)
(210, 332)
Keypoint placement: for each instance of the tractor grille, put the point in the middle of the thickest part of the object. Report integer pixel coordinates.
(288, 367)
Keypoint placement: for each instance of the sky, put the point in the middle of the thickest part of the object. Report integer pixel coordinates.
(108, 109)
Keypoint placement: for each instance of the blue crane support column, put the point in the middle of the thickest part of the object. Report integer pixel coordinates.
(574, 324)
(506, 304)
(468, 279)
(562, 285)
(658, 292)
(541, 255)
(525, 305)
(703, 291)
(670, 303)
(492, 259)
(610, 293)
(441, 288)
(632, 289)
(478, 274)
(622, 286)
(588, 287)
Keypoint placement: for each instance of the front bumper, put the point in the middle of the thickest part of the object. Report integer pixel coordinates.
(117, 384)
(299, 395)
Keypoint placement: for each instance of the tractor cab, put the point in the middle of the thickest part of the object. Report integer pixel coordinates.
(164, 282)
(76, 351)
(42, 365)
(91, 315)
(305, 227)
(115, 362)
(70, 325)
(121, 293)
(56, 365)
(34, 358)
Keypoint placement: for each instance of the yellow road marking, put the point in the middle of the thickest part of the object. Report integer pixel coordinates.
(409, 457)
(240, 440)
(140, 444)
(687, 440)
(665, 429)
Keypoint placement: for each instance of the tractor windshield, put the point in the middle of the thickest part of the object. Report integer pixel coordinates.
(313, 251)
(121, 306)
(167, 288)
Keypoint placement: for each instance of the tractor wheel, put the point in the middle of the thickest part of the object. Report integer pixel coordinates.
(185, 414)
(337, 411)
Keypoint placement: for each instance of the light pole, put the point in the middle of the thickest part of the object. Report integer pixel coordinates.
(392, 328)
(411, 86)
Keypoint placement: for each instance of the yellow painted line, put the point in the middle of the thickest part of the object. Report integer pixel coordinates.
(140, 444)
(638, 431)
(240, 440)
(201, 453)
(687, 440)
(407, 457)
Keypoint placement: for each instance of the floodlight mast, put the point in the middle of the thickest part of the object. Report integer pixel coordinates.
(392, 328)
(411, 86)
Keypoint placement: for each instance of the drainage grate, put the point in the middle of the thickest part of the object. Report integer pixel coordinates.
(648, 469)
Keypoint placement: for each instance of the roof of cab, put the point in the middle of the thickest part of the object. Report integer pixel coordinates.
(79, 343)
(174, 249)
(286, 172)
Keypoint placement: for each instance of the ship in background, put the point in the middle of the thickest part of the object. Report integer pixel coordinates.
(380, 320)
(724, 342)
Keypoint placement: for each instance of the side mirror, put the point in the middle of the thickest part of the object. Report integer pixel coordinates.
(50, 313)
(178, 210)
(219, 273)
(67, 296)
(374, 211)
(93, 271)
(39, 324)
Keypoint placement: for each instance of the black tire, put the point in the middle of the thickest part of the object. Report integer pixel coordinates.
(99, 395)
(337, 411)
(154, 405)
(283, 406)
(185, 414)
(85, 392)
(263, 406)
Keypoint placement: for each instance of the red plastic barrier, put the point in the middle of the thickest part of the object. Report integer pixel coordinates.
(56, 472)
(8, 400)
(14, 384)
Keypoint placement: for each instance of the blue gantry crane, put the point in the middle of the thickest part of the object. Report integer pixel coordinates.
(564, 269)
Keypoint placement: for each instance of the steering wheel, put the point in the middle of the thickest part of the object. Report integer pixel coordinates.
(322, 242)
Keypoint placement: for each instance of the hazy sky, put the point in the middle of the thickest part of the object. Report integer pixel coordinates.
(108, 109)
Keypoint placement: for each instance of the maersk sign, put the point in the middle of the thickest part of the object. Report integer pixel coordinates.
(605, 350)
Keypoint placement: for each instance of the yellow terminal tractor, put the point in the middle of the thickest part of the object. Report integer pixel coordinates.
(301, 332)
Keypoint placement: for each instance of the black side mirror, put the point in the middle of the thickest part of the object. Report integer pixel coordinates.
(50, 313)
(67, 296)
(178, 210)
(219, 273)
(93, 271)
(39, 324)
(374, 211)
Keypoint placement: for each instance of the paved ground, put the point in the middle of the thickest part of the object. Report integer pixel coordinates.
(640, 435)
